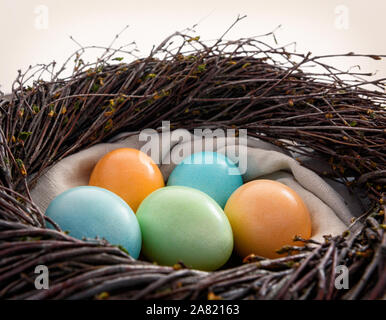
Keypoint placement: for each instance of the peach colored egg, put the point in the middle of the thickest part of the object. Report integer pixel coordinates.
(129, 173)
(266, 215)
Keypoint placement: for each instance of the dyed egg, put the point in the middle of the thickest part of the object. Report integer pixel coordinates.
(266, 215)
(184, 224)
(210, 172)
(129, 173)
(95, 212)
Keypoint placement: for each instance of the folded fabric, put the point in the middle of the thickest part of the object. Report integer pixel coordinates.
(329, 211)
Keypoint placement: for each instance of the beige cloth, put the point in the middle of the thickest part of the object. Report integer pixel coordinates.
(329, 213)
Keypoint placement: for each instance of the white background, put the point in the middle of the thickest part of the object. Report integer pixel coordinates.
(29, 35)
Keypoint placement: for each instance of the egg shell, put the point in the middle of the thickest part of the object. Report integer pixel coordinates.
(184, 224)
(209, 172)
(129, 173)
(265, 215)
(91, 211)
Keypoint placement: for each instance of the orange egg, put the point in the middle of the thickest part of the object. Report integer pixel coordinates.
(266, 215)
(129, 173)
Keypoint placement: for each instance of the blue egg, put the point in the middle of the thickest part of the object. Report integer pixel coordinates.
(211, 172)
(96, 212)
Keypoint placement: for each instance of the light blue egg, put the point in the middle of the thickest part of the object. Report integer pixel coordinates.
(88, 212)
(210, 172)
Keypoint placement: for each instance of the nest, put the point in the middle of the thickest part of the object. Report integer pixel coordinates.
(322, 112)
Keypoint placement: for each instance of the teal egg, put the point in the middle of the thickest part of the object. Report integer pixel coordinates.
(184, 224)
(89, 212)
(209, 172)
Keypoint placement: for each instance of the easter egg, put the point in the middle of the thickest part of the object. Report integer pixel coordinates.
(184, 224)
(89, 212)
(210, 172)
(266, 215)
(129, 173)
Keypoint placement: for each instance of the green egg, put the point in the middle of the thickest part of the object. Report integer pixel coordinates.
(184, 224)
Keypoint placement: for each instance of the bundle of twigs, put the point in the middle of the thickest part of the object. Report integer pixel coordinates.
(326, 114)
